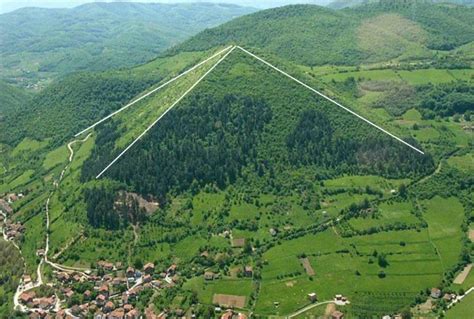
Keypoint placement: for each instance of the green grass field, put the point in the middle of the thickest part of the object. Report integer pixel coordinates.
(336, 261)
(462, 310)
(464, 162)
(206, 289)
(390, 214)
(445, 217)
(28, 145)
(56, 157)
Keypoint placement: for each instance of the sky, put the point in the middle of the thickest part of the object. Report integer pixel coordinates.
(10, 5)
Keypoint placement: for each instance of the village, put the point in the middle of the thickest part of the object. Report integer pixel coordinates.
(113, 290)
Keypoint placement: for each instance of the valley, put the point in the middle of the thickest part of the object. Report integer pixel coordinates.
(235, 186)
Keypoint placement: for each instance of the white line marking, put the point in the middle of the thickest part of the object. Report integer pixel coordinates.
(164, 113)
(331, 100)
(151, 92)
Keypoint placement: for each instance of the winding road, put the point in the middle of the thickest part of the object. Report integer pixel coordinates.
(39, 281)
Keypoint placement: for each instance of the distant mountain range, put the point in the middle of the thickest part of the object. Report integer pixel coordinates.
(40, 44)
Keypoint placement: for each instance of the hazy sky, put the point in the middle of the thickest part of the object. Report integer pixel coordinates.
(10, 5)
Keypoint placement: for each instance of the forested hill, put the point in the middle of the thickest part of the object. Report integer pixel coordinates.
(340, 4)
(375, 32)
(41, 43)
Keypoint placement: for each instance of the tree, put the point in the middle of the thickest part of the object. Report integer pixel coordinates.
(382, 260)
(403, 191)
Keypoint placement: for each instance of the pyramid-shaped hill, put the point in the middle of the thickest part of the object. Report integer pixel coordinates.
(246, 118)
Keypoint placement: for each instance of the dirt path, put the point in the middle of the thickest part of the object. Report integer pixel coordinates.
(39, 281)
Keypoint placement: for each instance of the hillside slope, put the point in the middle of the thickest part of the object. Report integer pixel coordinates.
(313, 35)
(45, 42)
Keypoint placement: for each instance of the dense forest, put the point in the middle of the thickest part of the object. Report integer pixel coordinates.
(110, 209)
(204, 141)
(66, 107)
(216, 135)
(314, 141)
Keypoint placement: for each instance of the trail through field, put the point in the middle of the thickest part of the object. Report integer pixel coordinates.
(303, 310)
(39, 281)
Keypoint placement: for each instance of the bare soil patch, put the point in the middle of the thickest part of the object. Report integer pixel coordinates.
(290, 283)
(462, 275)
(307, 266)
(229, 300)
(330, 308)
(238, 242)
(471, 234)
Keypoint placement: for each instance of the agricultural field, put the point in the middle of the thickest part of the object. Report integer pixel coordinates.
(463, 309)
(261, 191)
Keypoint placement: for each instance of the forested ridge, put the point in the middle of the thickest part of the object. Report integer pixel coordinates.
(262, 125)
(313, 35)
(98, 36)
(67, 106)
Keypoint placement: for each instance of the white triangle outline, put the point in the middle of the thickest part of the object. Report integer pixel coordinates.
(229, 50)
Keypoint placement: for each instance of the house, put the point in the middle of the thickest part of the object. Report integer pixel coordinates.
(337, 315)
(100, 299)
(149, 268)
(448, 297)
(241, 316)
(147, 278)
(68, 292)
(40, 252)
(133, 314)
(228, 314)
(435, 293)
(248, 271)
(104, 290)
(87, 294)
(117, 281)
(5, 207)
(12, 198)
(172, 269)
(209, 275)
(106, 265)
(26, 279)
(128, 307)
(47, 303)
(27, 297)
(156, 283)
(117, 314)
(312, 297)
(273, 231)
(109, 306)
(130, 272)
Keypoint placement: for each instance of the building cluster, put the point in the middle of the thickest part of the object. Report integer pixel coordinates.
(42, 304)
(436, 293)
(231, 314)
(112, 296)
(13, 231)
